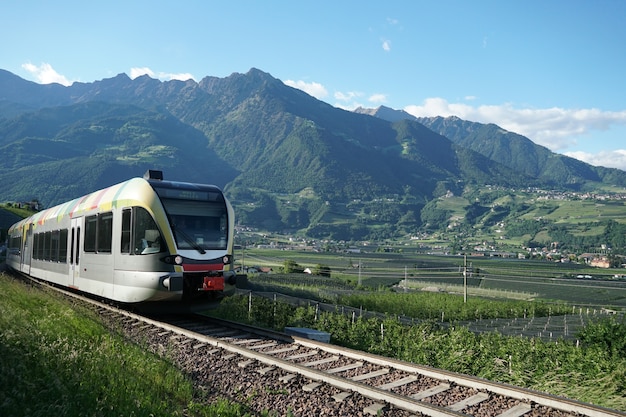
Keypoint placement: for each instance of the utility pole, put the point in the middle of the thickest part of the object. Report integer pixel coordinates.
(465, 279)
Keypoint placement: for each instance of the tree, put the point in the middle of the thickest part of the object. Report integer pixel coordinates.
(290, 266)
(322, 270)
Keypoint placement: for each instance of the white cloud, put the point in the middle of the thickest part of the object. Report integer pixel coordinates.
(139, 71)
(609, 159)
(348, 100)
(345, 97)
(555, 128)
(377, 98)
(164, 76)
(314, 89)
(45, 74)
(386, 45)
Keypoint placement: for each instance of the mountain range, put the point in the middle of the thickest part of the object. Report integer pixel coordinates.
(286, 160)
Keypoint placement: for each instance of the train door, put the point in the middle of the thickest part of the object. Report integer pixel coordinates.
(27, 248)
(75, 249)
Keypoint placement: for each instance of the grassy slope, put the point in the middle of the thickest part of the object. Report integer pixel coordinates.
(59, 360)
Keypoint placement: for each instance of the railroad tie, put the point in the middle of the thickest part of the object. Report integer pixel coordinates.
(322, 361)
(287, 378)
(345, 368)
(369, 375)
(302, 355)
(311, 387)
(263, 346)
(283, 350)
(341, 396)
(469, 401)
(266, 370)
(244, 341)
(224, 333)
(398, 382)
(374, 409)
(431, 391)
(517, 411)
(245, 363)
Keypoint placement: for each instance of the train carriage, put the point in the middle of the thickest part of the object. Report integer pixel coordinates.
(144, 240)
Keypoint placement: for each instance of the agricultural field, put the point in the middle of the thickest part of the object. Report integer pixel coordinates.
(485, 277)
(517, 298)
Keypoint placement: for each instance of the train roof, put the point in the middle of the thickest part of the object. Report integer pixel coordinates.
(135, 191)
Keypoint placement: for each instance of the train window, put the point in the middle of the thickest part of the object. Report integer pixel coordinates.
(125, 241)
(47, 245)
(54, 246)
(63, 246)
(99, 233)
(91, 226)
(105, 232)
(36, 246)
(146, 235)
(198, 225)
(41, 246)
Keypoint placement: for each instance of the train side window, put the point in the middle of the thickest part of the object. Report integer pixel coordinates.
(54, 246)
(36, 246)
(47, 245)
(41, 246)
(146, 235)
(105, 232)
(63, 246)
(99, 233)
(125, 242)
(91, 226)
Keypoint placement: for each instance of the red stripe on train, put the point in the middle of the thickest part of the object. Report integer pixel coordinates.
(202, 267)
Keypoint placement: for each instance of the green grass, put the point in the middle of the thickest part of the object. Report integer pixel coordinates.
(58, 359)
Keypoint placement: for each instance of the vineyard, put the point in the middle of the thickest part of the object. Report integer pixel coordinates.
(591, 368)
(525, 319)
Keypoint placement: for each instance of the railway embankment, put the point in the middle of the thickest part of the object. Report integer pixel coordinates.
(59, 359)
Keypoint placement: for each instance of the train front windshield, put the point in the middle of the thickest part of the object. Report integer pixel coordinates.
(199, 218)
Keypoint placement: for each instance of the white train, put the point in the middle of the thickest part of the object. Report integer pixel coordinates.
(144, 240)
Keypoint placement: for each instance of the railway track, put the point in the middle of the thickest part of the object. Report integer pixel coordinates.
(405, 386)
(389, 387)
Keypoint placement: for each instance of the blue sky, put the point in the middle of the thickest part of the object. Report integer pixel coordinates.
(552, 70)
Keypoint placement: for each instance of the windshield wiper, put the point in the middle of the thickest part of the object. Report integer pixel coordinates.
(190, 240)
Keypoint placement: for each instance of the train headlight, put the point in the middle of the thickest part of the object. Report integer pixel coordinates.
(173, 259)
(226, 259)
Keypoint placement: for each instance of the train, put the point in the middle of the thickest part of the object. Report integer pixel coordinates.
(146, 242)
